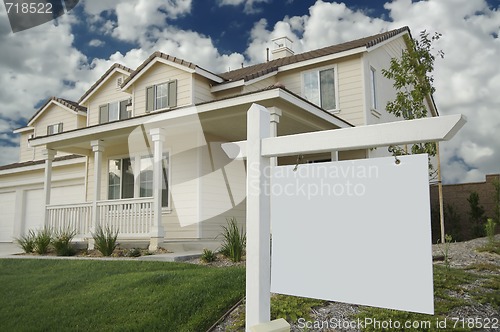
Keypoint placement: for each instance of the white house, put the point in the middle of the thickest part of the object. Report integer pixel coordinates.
(140, 150)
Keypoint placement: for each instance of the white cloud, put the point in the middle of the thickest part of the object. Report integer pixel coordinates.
(96, 43)
(135, 19)
(249, 6)
(33, 69)
(10, 154)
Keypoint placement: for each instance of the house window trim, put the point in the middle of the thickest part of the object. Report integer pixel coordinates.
(119, 102)
(373, 89)
(135, 161)
(170, 104)
(59, 127)
(337, 109)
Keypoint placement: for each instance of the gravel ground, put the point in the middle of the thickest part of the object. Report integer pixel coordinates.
(461, 255)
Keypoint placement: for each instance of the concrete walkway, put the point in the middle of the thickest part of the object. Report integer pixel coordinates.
(9, 250)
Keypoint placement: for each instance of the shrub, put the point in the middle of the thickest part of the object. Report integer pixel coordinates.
(27, 242)
(476, 214)
(490, 227)
(105, 240)
(208, 256)
(43, 238)
(234, 240)
(62, 243)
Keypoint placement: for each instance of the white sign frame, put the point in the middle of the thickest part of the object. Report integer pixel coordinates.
(260, 147)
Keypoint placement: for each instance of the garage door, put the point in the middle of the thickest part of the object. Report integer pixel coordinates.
(7, 210)
(34, 208)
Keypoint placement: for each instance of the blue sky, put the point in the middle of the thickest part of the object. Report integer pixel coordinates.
(63, 58)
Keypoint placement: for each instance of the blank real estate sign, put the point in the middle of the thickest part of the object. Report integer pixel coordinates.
(354, 231)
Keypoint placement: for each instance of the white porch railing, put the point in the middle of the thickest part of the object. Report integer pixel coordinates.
(77, 217)
(131, 217)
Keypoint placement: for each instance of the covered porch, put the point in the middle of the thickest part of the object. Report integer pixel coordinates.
(179, 186)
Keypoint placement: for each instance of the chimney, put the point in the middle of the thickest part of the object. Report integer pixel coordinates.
(282, 47)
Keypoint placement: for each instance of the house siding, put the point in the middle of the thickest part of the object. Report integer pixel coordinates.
(28, 153)
(107, 93)
(157, 74)
(350, 86)
(201, 92)
(222, 190)
(351, 91)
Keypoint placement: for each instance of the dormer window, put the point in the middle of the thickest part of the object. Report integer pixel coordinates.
(55, 128)
(320, 88)
(113, 111)
(161, 96)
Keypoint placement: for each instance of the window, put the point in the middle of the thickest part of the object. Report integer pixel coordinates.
(320, 89)
(120, 179)
(113, 111)
(146, 178)
(55, 128)
(161, 96)
(373, 88)
(123, 182)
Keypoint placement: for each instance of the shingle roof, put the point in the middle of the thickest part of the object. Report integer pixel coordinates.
(68, 103)
(257, 70)
(37, 162)
(102, 78)
(161, 55)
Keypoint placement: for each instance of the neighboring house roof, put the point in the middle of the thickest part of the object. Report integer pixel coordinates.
(65, 103)
(115, 67)
(180, 63)
(252, 72)
(37, 162)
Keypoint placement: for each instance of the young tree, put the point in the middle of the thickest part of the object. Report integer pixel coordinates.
(413, 81)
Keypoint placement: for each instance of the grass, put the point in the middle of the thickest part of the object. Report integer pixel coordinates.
(493, 248)
(84, 295)
(288, 307)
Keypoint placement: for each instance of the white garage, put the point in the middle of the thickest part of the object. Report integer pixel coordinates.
(34, 207)
(7, 212)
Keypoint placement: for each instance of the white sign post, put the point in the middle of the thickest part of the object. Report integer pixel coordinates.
(259, 148)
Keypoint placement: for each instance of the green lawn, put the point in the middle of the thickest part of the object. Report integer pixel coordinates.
(84, 295)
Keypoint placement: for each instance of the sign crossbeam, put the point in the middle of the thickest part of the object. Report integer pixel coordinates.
(393, 133)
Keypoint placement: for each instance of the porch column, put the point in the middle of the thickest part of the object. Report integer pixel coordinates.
(48, 155)
(275, 119)
(157, 231)
(98, 149)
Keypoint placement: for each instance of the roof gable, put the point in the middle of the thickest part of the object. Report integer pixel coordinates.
(169, 60)
(113, 69)
(65, 104)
